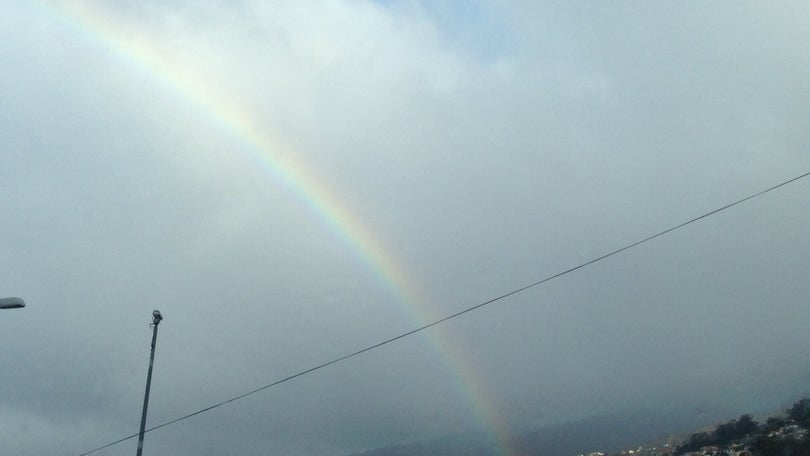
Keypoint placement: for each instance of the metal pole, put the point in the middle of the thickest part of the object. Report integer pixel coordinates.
(156, 318)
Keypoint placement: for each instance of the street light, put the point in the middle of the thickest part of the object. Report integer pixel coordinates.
(156, 319)
(11, 303)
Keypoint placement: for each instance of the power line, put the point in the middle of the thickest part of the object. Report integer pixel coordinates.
(461, 312)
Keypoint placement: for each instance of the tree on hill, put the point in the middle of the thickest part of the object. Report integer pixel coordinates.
(771, 446)
(695, 442)
(745, 425)
(773, 423)
(723, 434)
(800, 412)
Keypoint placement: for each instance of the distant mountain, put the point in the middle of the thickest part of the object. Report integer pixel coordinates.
(608, 433)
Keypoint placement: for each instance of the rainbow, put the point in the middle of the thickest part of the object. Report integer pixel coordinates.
(102, 28)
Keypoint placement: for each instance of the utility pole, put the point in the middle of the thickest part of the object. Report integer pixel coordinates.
(156, 318)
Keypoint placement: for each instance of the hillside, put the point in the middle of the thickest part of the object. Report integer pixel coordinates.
(603, 433)
(781, 435)
(633, 434)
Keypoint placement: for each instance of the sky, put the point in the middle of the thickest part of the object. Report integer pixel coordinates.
(290, 182)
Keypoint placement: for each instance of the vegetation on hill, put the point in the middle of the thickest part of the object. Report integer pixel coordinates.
(785, 435)
(723, 435)
(778, 436)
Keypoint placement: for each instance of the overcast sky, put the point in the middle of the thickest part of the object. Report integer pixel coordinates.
(289, 182)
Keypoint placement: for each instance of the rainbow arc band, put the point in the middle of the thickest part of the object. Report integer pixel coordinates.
(288, 168)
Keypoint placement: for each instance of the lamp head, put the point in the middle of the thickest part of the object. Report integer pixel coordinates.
(156, 317)
(11, 303)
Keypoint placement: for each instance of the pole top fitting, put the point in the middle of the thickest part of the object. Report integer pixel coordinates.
(156, 317)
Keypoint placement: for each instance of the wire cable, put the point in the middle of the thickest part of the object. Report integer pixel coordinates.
(461, 312)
